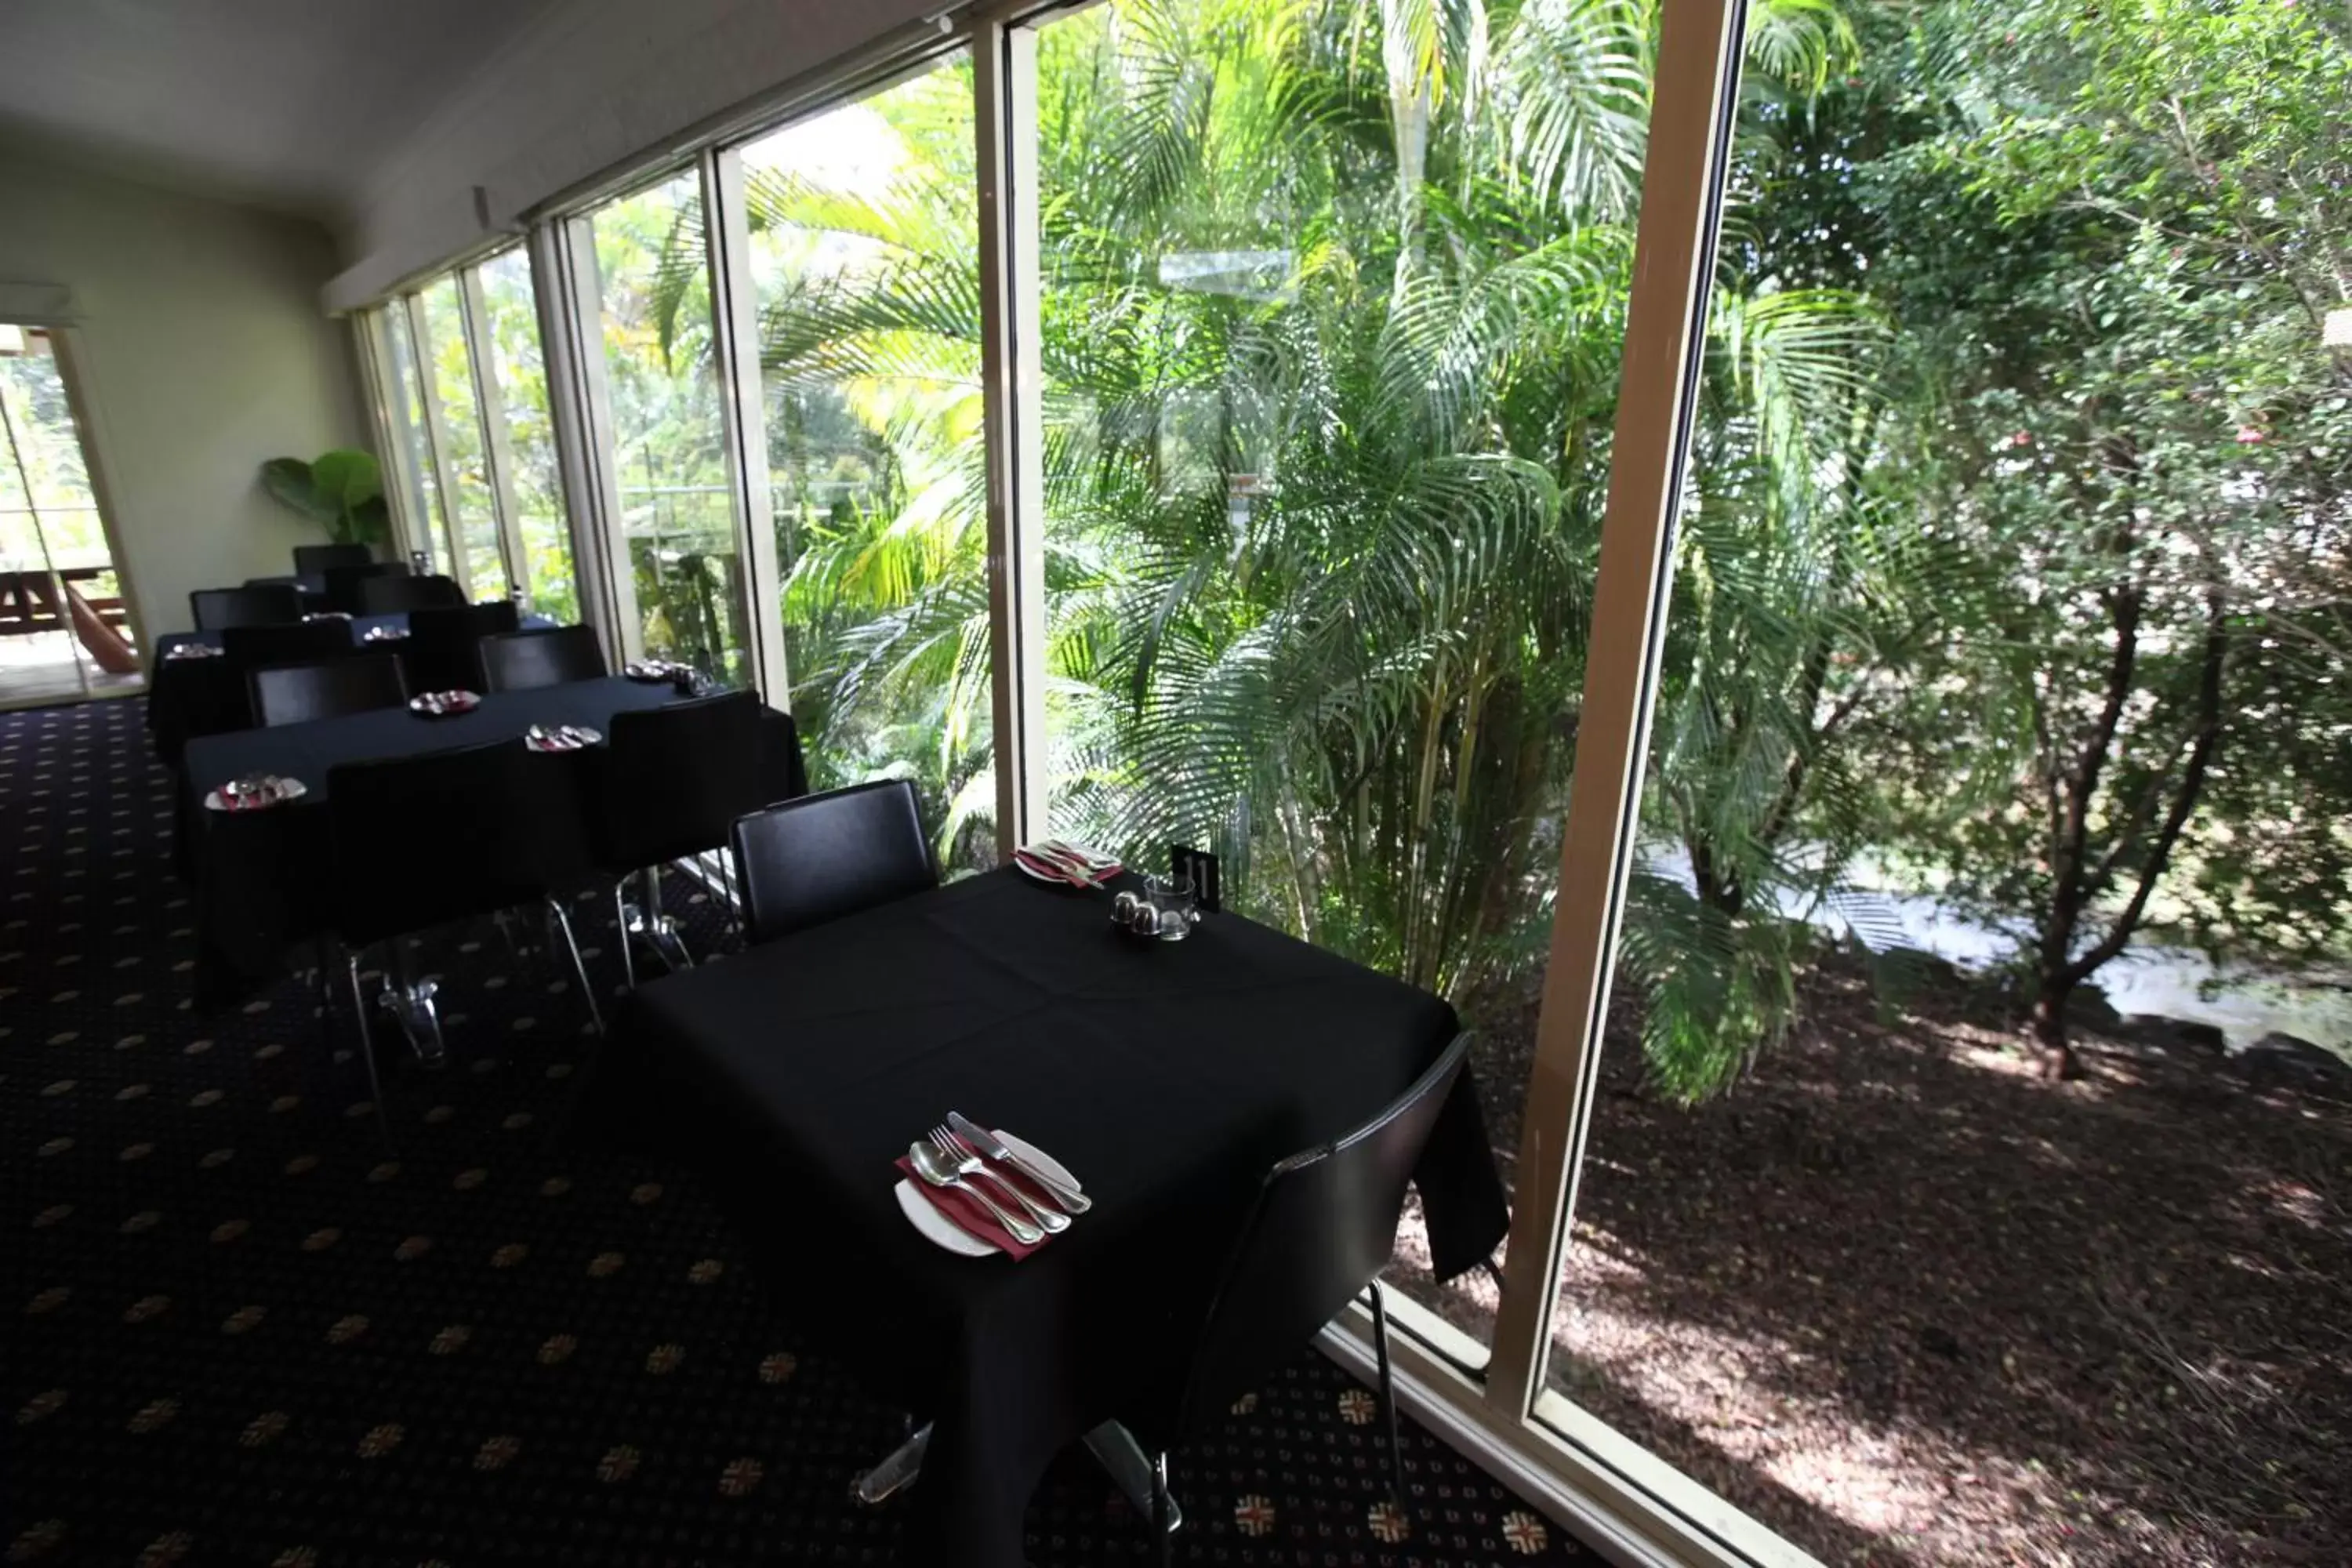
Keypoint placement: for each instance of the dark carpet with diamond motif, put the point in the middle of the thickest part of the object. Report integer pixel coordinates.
(239, 1329)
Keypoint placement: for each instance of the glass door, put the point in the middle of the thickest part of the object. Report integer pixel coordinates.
(65, 622)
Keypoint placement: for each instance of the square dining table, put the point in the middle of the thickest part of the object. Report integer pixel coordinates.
(1169, 1076)
(261, 876)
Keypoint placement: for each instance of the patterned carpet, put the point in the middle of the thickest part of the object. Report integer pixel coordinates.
(237, 1329)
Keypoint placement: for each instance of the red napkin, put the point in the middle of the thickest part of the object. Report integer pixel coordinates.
(966, 1215)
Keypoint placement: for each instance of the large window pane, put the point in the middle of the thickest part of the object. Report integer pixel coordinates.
(473, 500)
(429, 520)
(1965, 1181)
(863, 235)
(1329, 333)
(535, 485)
(668, 434)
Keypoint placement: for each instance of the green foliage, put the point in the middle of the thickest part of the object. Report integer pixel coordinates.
(341, 491)
(1333, 292)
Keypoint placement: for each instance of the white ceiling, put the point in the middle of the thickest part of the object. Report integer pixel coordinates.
(289, 104)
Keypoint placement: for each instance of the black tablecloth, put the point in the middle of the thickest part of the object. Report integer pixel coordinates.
(1169, 1078)
(261, 876)
(190, 697)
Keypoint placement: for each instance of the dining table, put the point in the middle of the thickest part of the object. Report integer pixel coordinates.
(262, 876)
(1166, 1077)
(192, 695)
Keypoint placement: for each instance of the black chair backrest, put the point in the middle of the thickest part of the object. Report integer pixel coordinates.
(395, 592)
(825, 856)
(304, 642)
(267, 605)
(444, 650)
(675, 778)
(343, 583)
(1323, 1226)
(313, 560)
(423, 840)
(297, 693)
(518, 660)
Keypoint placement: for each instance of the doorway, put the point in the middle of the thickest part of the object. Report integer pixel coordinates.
(66, 629)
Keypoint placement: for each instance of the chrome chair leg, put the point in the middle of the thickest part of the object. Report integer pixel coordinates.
(410, 1002)
(1388, 1394)
(1163, 1525)
(645, 921)
(623, 915)
(1130, 1469)
(899, 1467)
(561, 919)
(367, 1047)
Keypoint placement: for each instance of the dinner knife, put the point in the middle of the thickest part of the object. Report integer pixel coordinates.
(1072, 1200)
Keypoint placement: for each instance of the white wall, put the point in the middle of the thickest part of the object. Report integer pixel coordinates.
(593, 84)
(203, 350)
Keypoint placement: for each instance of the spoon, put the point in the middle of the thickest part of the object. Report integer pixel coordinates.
(938, 1171)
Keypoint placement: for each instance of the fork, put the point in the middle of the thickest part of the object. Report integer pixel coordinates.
(968, 1163)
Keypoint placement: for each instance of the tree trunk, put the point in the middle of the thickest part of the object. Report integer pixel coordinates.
(2050, 1028)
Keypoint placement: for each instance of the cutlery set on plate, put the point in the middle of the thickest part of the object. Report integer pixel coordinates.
(1057, 860)
(562, 738)
(1022, 1195)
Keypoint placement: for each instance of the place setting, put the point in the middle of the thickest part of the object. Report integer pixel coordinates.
(180, 653)
(385, 633)
(255, 793)
(561, 737)
(979, 1192)
(444, 704)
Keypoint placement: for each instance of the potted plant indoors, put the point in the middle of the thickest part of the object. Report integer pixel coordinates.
(341, 491)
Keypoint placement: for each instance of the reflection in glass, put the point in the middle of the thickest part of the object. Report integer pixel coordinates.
(670, 443)
(863, 235)
(535, 484)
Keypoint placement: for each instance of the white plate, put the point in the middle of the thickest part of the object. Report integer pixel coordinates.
(193, 650)
(925, 1216)
(289, 789)
(652, 672)
(382, 634)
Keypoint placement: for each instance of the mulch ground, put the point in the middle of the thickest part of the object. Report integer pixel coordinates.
(1906, 1301)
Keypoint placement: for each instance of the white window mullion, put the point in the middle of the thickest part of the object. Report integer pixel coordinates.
(569, 295)
(735, 331)
(1693, 104)
(490, 406)
(1004, 72)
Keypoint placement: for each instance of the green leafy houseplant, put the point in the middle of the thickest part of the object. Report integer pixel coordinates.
(342, 492)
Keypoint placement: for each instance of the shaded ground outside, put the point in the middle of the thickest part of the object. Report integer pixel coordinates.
(1907, 1302)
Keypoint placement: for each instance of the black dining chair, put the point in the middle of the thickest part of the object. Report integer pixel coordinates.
(428, 840)
(825, 856)
(343, 585)
(304, 642)
(297, 693)
(516, 661)
(1323, 1226)
(317, 560)
(673, 779)
(399, 592)
(264, 605)
(444, 649)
